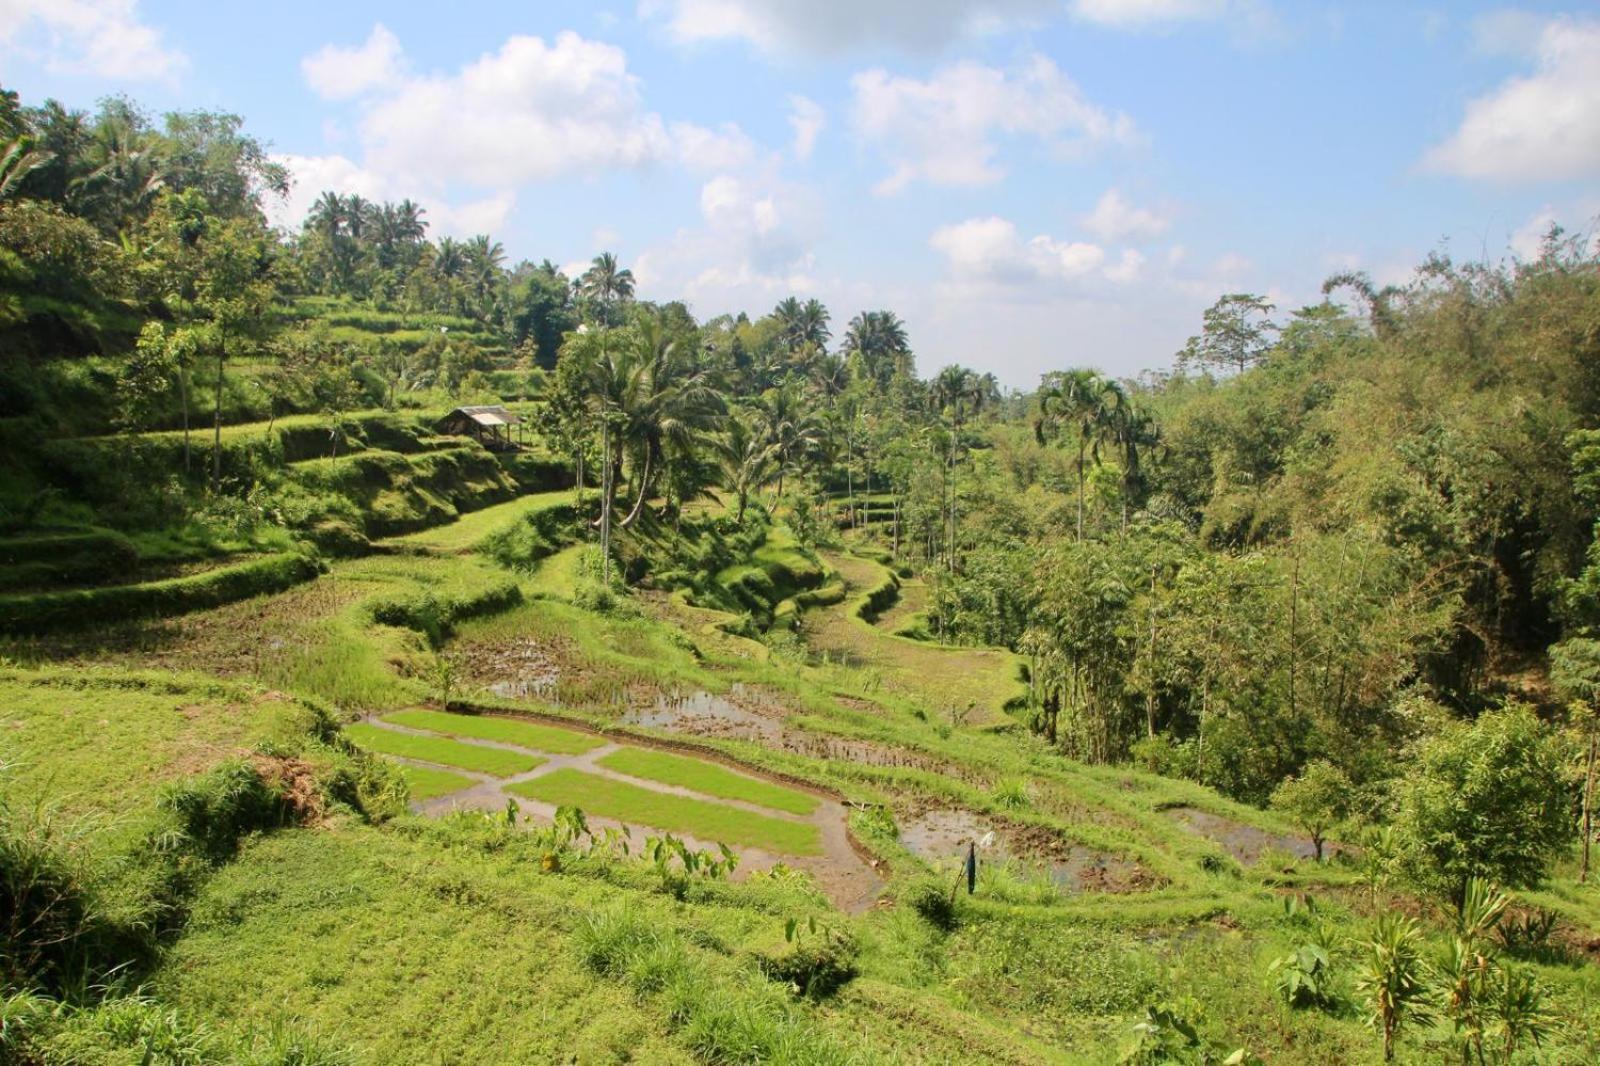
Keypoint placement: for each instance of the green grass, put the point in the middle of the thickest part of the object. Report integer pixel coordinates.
(547, 738)
(442, 750)
(426, 783)
(472, 527)
(98, 745)
(634, 805)
(707, 777)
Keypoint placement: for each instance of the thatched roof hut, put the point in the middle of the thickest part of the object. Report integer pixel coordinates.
(489, 424)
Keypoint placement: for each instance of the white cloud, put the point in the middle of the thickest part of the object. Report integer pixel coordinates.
(531, 110)
(832, 26)
(942, 130)
(1116, 218)
(336, 73)
(104, 38)
(753, 246)
(1135, 13)
(724, 148)
(1127, 269)
(806, 118)
(990, 250)
(1230, 266)
(314, 175)
(1541, 126)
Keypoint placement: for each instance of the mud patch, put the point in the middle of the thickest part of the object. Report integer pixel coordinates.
(743, 714)
(1247, 843)
(940, 836)
(516, 670)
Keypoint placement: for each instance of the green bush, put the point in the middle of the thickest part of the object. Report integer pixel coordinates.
(930, 898)
(41, 611)
(814, 960)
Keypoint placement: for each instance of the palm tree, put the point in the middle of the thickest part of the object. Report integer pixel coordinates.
(1079, 403)
(409, 228)
(451, 260)
(19, 159)
(327, 215)
(484, 259)
(606, 284)
(880, 339)
(748, 457)
(791, 428)
(125, 173)
(1134, 434)
(360, 217)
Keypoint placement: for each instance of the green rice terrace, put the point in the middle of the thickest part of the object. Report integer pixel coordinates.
(406, 656)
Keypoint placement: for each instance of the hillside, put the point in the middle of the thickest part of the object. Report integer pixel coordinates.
(758, 699)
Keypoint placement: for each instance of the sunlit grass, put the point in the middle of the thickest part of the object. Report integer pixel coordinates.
(707, 777)
(635, 805)
(472, 527)
(427, 783)
(442, 750)
(539, 737)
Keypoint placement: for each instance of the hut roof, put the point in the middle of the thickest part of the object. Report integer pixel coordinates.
(486, 415)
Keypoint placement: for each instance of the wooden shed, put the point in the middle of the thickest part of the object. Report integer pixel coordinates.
(490, 424)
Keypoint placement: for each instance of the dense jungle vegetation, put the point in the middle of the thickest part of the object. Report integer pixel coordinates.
(1297, 642)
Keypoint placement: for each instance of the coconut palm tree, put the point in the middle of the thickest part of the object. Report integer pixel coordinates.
(606, 284)
(791, 427)
(484, 260)
(327, 215)
(409, 228)
(748, 456)
(880, 339)
(1077, 405)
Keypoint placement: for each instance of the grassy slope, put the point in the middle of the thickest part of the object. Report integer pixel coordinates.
(1073, 971)
(471, 528)
(95, 748)
(971, 684)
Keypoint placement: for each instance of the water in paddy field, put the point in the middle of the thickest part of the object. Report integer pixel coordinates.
(940, 837)
(676, 710)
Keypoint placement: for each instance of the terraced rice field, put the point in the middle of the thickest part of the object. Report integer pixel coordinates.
(969, 685)
(455, 761)
(703, 819)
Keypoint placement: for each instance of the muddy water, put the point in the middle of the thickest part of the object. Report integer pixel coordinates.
(707, 714)
(941, 836)
(1246, 843)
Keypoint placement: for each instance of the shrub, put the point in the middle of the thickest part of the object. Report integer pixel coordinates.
(930, 898)
(1489, 800)
(815, 959)
(52, 930)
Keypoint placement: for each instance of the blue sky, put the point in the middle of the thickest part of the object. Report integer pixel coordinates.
(1031, 184)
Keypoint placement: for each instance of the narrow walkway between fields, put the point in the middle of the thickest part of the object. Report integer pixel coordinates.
(839, 870)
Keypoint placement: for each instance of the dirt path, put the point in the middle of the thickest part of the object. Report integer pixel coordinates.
(839, 871)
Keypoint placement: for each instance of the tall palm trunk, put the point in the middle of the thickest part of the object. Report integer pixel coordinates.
(1081, 449)
(216, 422)
(183, 395)
(1588, 805)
